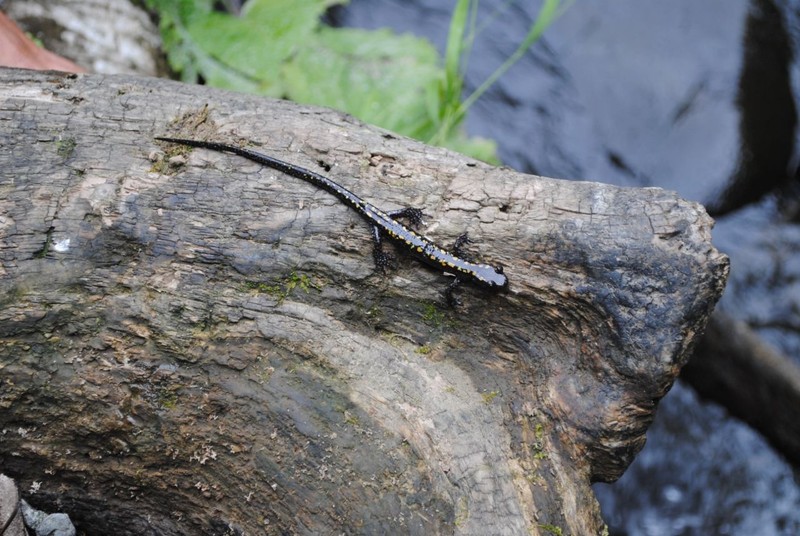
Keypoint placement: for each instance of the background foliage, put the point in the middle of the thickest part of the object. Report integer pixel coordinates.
(280, 48)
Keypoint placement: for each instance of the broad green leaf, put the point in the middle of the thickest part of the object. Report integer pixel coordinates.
(377, 76)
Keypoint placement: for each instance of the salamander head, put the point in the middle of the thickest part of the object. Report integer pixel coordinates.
(492, 277)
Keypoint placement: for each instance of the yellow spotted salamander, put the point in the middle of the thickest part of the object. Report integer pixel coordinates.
(383, 224)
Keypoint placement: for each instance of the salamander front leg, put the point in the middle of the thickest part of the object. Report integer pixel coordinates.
(458, 247)
(452, 301)
(382, 258)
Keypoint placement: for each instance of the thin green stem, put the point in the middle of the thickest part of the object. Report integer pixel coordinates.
(547, 15)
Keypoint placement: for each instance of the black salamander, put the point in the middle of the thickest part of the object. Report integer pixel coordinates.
(383, 224)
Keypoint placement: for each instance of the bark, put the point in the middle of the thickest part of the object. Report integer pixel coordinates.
(191, 343)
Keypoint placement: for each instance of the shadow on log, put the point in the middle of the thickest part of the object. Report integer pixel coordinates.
(191, 343)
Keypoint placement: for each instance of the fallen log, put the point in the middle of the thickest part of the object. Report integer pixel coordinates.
(192, 343)
(736, 368)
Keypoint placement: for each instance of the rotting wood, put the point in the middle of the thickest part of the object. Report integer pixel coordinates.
(190, 343)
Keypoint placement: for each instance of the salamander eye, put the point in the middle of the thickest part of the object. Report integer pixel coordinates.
(498, 268)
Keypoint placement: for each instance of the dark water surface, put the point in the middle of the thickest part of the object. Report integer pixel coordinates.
(651, 94)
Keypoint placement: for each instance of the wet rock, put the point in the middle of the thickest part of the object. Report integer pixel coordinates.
(44, 524)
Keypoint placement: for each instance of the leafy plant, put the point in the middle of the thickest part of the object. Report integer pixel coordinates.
(279, 48)
(452, 109)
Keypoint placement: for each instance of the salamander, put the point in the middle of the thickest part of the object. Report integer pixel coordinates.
(384, 224)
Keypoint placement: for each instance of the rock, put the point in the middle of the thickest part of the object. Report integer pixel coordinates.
(10, 517)
(46, 524)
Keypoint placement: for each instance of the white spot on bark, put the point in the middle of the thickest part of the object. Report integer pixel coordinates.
(61, 246)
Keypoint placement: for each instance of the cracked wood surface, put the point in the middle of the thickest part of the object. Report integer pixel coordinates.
(191, 342)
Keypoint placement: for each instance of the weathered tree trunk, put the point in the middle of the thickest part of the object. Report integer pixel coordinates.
(191, 343)
(103, 36)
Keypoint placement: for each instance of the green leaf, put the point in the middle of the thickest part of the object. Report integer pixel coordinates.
(279, 48)
(378, 76)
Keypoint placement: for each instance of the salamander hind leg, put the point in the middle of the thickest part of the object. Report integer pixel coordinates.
(382, 259)
(413, 215)
(452, 300)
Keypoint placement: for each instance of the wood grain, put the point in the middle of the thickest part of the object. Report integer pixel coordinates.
(190, 342)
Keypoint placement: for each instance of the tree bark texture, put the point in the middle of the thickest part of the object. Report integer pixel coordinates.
(192, 343)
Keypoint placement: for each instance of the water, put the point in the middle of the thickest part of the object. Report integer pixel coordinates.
(702, 472)
(645, 94)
